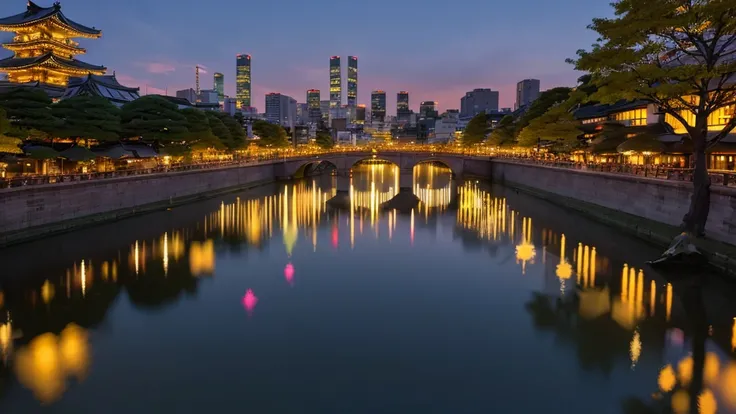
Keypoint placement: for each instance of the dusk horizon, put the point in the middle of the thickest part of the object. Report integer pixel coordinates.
(156, 46)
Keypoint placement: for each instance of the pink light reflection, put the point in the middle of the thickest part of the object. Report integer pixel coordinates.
(249, 301)
(335, 237)
(289, 274)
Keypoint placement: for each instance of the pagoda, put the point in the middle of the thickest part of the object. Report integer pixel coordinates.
(43, 48)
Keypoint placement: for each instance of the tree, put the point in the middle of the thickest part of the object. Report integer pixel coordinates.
(200, 133)
(240, 118)
(475, 131)
(7, 144)
(153, 117)
(219, 129)
(541, 105)
(270, 134)
(87, 117)
(324, 140)
(28, 109)
(237, 133)
(679, 56)
(504, 132)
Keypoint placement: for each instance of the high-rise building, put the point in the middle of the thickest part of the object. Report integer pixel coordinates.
(324, 107)
(378, 106)
(242, 81)
(335, 82)
(208, 96)
(360, 114)
(527, 91)
(428, 109)
(188, 94)
(402, 106)
(280, 109)
(352, 80)
(313, 105)
(220, 85)
(477, 101)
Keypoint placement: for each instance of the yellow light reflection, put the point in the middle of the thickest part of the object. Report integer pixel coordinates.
(202, 258)
(47, 292)
(635, 349)
(667, 379)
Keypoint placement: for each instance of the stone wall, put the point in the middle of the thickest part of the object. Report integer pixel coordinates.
(35, 211)
(654, 199)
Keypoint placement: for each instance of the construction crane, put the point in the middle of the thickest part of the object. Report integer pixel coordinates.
(196, 72)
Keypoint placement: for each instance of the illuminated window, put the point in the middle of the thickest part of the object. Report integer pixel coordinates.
(635, 117)
(594, 120)
(716, 121)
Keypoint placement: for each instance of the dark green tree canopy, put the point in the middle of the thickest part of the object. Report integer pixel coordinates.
(271, 135)
(237, 133)
(503, 134)
(324, 140)
(200, 134)
(28, 109)
(546, 100)
(219, 129)
(88, 117)
(155, 118)
(476, 130)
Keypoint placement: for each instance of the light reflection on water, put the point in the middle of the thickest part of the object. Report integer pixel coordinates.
(593, 299)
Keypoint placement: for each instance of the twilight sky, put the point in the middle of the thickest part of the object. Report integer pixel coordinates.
(436, 50)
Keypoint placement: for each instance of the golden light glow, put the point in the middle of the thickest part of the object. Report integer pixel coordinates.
(44, 365)
(564, 269)
(733, 336)
(728, 385)
(47, 292)
(6, 338)
(202, 258)
(681, 402)
(712, 367)
(685, 371)
(707, 403)
(525, 251)
(635, 349)
(666, 379)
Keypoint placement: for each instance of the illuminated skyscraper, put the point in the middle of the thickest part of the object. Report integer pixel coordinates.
(220, 85)
(313, 105)
(428, 109)
(378, 106)
(335, 82)
(402, 106)
(352, 80)
(242, 81)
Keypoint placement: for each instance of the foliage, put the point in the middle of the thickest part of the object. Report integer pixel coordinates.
(200, 133)
(88, 117)
(546, 100)
(237, 133)
(153, 117)
(28, 109)
(218, 128)
(677, 55)
(240, 118)
(4, 122)
(557, 125)
(270, 134)
(324, 140)
(503, 133)
(10, 145)
(475, 131)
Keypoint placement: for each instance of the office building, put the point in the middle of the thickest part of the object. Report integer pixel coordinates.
(402, 106)
(302, 113)
(527, 91)
(335, 82)
(229, 106)
(242, 81)
(324, 107)
(220, 85)
(208, 96)
(352, 80)
(477, 101)
(313, 105)
(428, 109)
(360, 114)
(280, 109)
(189, 94)
(378, 106)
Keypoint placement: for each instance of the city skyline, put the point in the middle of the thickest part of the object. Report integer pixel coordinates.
(145, 46)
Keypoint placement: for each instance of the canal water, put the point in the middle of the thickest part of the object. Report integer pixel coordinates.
(477, 300)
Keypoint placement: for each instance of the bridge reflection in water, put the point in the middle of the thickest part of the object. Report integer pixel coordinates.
(592, 299)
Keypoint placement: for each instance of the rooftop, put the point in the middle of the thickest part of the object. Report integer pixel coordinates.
(22, 63)
(35, 13)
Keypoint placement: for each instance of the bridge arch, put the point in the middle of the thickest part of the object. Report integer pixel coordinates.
(312, 166)
(436, 160)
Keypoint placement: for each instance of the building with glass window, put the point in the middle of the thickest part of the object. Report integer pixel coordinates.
(428, 109)
(335, 82)
(220, 85)
(242, 81)
(527, 91)
(313, 105)
(280, 109)
(478, 101)
(402, 106)
(352, 80)
(378, 106)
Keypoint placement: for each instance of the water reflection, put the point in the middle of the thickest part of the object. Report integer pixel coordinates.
(611, 311)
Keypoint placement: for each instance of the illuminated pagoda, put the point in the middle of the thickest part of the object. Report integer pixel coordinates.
(44, 50)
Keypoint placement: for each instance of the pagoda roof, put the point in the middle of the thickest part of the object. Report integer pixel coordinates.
(35, 13)
(23, 63)
(106, 86)
(52, 91)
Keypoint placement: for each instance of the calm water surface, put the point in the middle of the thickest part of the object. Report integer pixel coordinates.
(478, 300)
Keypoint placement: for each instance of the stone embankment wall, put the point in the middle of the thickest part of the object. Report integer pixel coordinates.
(657, 200)
(35, 211)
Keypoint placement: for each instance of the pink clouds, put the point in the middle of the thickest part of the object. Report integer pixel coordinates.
(143, 84)
(158, 68)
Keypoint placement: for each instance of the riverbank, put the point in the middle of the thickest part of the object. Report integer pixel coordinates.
(580, 191)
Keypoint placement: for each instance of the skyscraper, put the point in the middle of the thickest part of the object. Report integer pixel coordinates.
(428, 109)
(378, 106)
(477, 101)
(402, 106)
(335, 82)
(220, 85)
(242, 81)
(352, 80)
(313, 98)
(280, 109)
(527, 91)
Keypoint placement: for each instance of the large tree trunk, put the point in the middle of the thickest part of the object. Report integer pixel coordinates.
(695, 219)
